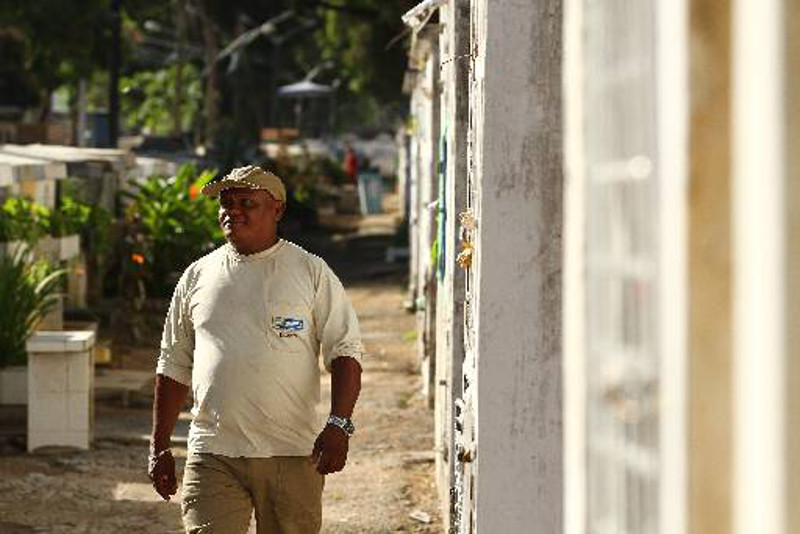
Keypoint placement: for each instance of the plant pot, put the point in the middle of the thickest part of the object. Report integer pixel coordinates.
(14, 385)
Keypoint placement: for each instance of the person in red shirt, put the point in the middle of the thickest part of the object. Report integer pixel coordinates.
(351, 163)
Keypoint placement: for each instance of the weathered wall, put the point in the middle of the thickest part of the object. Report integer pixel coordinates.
(518, 465)
(454, 62)
(429, 193)
(710, 356)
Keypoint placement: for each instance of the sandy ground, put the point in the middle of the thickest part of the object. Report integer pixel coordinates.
(389, 476)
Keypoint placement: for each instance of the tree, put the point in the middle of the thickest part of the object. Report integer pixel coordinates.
(63, 41)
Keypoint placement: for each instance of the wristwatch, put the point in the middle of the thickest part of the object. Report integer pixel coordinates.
(342, 422)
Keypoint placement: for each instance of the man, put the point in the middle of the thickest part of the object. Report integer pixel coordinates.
(244, 331)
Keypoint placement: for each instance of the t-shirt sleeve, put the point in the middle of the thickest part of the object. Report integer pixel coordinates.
(177, 340)
(337, 324)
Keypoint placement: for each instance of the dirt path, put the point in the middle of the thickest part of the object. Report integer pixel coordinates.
(389, 475)
(390, 472)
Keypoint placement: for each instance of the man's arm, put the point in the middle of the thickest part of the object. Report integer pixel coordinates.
(330, 449)
(345, 386)
(167, 403)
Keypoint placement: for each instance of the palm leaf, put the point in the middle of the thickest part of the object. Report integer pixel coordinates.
(28, 291)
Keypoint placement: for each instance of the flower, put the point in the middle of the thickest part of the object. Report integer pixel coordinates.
(194, 191)
(137, 258)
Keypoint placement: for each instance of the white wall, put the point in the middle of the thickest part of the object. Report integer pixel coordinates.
(760, 152)
(450, 295)
(517, 116)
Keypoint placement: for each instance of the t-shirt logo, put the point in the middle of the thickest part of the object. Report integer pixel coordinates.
(287, 326)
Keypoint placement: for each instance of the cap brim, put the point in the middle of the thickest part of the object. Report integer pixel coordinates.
(213, 189)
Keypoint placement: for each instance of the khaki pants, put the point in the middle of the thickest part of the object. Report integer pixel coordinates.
(219, 494)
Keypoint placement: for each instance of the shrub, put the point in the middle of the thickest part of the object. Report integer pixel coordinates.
(168, 225)
(94, 225)
(23, 220)
(28, 291)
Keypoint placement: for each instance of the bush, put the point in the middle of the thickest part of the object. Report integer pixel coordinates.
(23, 220)
(28, 291)
(168, 225)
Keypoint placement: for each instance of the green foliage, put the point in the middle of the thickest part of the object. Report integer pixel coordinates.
(148, 99)
(63, 40)
(91, 221)
(70, 219)
(19, 87)
(23, 220)
(169, 225)
(94, 224)
(363, 38)
(28, 291)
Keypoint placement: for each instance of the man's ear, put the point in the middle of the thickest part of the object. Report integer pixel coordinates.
(281, 211)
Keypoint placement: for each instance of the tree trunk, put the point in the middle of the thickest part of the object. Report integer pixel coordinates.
(180, 46)
(211, 45)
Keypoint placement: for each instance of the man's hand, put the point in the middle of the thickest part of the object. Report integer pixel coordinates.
(162, 472)
(330, 450)
(169, 397)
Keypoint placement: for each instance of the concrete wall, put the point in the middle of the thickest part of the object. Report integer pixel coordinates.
(424, 81)
(455, 62)
(710, 360)
(518, 465)
(429, 98)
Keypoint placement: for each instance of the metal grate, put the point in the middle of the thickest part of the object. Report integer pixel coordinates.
(621, 277)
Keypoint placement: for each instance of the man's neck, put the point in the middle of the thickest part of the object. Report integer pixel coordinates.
(255, 249)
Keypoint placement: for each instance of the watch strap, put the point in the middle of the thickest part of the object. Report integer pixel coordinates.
(342, 422)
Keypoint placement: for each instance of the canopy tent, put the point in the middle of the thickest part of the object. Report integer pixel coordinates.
(304, 89)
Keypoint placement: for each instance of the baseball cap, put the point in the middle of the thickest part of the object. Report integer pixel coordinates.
(251, 177)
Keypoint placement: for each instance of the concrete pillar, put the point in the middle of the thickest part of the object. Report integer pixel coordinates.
(455, 64)
(763, 142)
(516, 114)
(575, 365)
(426, 55)
(413, 197)
(60, 389)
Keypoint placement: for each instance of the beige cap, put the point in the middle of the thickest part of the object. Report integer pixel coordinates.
(251, 177)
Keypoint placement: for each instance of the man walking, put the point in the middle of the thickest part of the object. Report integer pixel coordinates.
(244, 331)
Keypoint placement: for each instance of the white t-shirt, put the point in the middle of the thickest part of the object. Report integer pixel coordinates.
(246, 332)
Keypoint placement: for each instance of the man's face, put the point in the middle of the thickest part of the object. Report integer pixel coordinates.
(249, 218)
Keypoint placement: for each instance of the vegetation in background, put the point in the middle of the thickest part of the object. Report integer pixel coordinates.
(28, 291)
(358, 46)
(365, 40)
(168, 226)
(148, 100)
(95, 226)
(23, 220)
(308, 181)
(62, 42)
